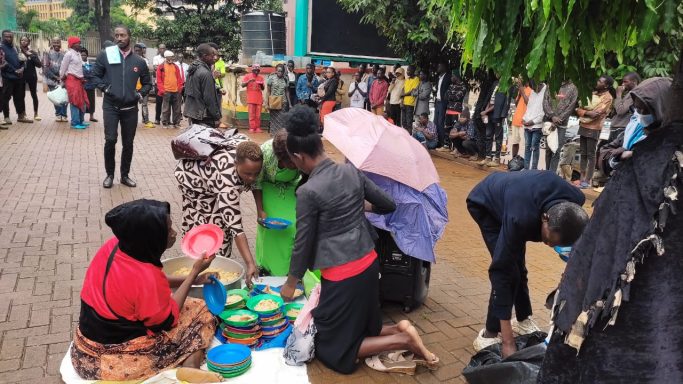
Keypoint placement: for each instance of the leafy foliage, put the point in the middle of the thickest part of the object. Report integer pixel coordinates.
(199, 21)
(554, 40)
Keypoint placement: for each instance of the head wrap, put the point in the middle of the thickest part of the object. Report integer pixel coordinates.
(653, 92)
(255, 66)
(73, 40)
(168, 53)
(141, 226)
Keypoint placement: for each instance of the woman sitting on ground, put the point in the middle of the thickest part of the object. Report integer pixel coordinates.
(334, 236)
(131, 326)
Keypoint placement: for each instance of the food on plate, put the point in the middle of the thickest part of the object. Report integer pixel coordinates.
(241, 318)
(232, 299)
(266, 305)
(294, 312)
(275, 222)
(222, 275)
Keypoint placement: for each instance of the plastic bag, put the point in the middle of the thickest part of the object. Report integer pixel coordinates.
(58, 96)
(487, 366)
(300, 347)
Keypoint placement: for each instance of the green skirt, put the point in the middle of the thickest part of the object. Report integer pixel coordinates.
(274, 247)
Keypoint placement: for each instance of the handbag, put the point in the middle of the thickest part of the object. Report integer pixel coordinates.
(275, 102)
(199, 142)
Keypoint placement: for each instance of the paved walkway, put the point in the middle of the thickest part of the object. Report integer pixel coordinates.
(51, 224)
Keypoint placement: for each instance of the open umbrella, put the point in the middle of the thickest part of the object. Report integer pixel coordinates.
(374, 145)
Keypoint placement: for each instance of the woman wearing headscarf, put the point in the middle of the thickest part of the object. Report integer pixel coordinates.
(211, 190)
(617, 313)
(275, 196)
(334, 236)
(131, 325)
(278, 98)
(71, 72)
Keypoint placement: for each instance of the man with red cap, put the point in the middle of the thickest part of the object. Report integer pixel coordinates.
(255, 85)
(71, 72)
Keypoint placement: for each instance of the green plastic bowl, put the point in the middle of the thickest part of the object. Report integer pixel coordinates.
(310, 280)
(226, 314)
(291, 306)
(240, 292)
(253, 302)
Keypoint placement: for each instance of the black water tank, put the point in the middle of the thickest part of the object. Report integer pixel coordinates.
(265, 32)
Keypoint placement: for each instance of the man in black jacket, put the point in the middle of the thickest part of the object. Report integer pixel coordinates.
(442, 84)
(13, 80)
(512, 208)
(202, 104)
(117, 71)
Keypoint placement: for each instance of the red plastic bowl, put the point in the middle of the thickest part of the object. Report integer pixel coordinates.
(205, 237)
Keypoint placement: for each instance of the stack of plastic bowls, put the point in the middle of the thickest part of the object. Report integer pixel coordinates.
(229, 360)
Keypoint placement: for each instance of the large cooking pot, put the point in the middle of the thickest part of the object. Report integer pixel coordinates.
(228, 265)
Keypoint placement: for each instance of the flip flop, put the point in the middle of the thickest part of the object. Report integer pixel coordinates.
(405, 367)
(405, 355)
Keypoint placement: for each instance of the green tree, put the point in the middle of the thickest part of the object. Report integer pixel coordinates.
(201, 21)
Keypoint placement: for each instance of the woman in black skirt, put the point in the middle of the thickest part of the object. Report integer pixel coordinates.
(333, 235)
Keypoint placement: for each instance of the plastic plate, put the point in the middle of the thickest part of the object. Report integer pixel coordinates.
(215, 296)
(225, 315)
(276, 223)
(291, 306)
(205, 237)
(228, 354)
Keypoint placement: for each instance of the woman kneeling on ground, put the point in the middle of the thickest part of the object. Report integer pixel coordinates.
(131, 326)
(333, 235)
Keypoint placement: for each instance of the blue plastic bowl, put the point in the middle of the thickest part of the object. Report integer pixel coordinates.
(228, 354)
(215, 296)
(276, 223)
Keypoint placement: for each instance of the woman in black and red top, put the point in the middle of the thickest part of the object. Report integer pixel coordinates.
(131, 325)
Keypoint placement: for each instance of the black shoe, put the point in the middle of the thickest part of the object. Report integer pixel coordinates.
(157, 122)
(108, 181)
(128, 182)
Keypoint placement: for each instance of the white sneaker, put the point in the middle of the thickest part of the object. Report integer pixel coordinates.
(482, 342)
(525, 327)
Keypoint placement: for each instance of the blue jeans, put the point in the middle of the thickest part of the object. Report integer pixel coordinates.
(77, 114)
(430, 144)
(532, 146)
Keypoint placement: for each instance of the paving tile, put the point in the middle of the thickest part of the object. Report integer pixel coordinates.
(51, 225)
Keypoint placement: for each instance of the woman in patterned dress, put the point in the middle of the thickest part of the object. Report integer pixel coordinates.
(211, 193)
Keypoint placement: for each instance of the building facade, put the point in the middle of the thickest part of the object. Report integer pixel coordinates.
(49, 9)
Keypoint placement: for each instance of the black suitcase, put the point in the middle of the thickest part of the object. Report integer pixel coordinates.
(404, 279)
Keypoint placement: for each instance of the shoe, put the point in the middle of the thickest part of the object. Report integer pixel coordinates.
(482, 342)
(473, 158)
(584, 185)
(79, 126)
(59, 119)
(456, 154)
(93, 120)
(443, 149)
(494, 163)
(176, 126)
(24, 119)
(157, 122)
(37, 118)
(7, 121)
(149, 124)
(3, 127)
(524, 327)
(87, 124)
(62, 119)
(108, 181)
(164, 126)
(484, 161)
(128, 182)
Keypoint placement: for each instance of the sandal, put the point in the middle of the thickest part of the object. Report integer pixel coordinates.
(405, 355)
(382, 365)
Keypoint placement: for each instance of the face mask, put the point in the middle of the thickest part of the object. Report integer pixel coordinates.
(644, 120)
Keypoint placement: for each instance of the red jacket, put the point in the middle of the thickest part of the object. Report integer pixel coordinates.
(160, 78)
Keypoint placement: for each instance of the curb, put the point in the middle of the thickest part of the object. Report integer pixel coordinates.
(589, 193)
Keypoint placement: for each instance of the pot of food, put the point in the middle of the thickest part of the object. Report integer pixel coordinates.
(231, 272)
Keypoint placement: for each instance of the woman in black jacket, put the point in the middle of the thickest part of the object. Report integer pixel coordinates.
(30, 74)
(333, 235)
